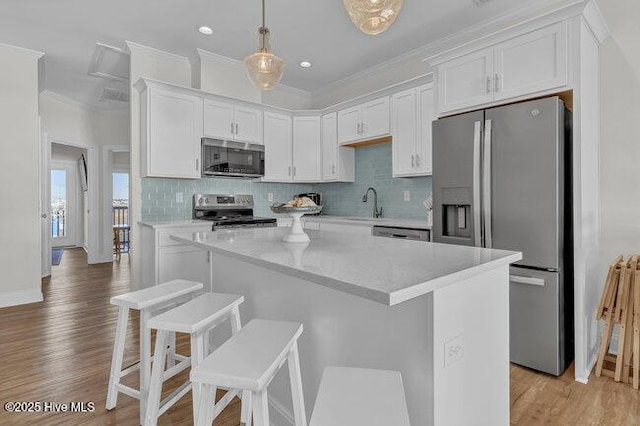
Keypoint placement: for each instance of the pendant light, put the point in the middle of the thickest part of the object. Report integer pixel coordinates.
(263, 67)
(373, 16)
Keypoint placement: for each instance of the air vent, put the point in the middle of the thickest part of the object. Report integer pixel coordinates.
(480, 3)
(115, 95)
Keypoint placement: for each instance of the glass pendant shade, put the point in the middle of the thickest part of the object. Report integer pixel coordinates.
(263, 67)
(373, 16)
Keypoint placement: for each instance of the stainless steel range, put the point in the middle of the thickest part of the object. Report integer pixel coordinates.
(228, 211)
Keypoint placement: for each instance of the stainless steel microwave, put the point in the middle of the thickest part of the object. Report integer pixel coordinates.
(233, 159)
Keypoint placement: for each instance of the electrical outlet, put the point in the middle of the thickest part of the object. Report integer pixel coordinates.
(179, 197)
(407, 195)
(270, 197)
(453, 350)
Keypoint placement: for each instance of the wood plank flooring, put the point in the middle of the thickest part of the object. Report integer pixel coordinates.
(60, 351)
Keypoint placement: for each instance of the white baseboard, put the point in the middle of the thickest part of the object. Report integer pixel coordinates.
(20, 297)
(280, 416)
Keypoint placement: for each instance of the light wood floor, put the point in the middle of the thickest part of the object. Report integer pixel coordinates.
(60, 351)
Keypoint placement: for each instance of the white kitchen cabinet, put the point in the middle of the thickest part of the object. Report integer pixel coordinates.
(412, 113)
(338, 162)
(530, 63)
(171, 129)
(223, 120)
(366, 121)
(307, 154)
(466, 81)
(277, 147)
(426, 115)
(164, 259)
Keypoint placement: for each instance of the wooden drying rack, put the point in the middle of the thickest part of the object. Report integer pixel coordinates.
(620, 304)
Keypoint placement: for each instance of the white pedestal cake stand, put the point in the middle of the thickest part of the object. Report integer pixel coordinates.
(297, 234)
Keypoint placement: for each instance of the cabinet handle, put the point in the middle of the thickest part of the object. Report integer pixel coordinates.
(417, 160)
(363, 128)
(197, 164)
(231, 128)
(413, 161)
(289, 170)
(237, 127)
(496, 82)
(333, 169)
(358, 128)
(294, 171)
(488, 84)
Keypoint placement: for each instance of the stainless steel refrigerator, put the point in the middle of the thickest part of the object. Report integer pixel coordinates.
(502, 179)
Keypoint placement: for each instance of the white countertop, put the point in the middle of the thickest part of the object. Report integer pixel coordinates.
(384, 270)
(348, 220)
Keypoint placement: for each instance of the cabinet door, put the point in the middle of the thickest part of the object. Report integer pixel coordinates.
(330, 147)
(531, 63)
(173, 135)
(376, 118)
(404, 131)
(218, 120)
(465, 81)
(426, 115)
(349, 125)
(248, 124)
(307, 152)
(277, 147)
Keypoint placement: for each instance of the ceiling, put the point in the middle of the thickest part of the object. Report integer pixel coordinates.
(317, 31)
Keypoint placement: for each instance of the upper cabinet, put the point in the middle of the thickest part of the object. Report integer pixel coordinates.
(338, 162)
(277, 147)
(171, 129)
(412, 114)
(523, 65)
(307, 154)
(223, 120)
(366, 121)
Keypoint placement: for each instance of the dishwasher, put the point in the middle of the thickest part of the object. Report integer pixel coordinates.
(401, 233)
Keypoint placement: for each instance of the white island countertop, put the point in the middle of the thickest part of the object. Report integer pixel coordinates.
(384, 270)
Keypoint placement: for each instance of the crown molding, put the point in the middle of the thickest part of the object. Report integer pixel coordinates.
(22, 50)
(594, 19)
(131, 46)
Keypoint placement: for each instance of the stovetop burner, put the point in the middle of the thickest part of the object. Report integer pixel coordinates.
(228, 211)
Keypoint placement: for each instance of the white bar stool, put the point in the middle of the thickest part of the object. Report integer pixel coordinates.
(360, 397)
(197, 318)
(148, 301)
(249, 361)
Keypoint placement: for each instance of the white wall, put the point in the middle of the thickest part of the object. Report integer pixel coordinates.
(20, 225)
(158, 65)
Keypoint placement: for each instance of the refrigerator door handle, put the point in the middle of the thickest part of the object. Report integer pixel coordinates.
(526, 280)
(486, 184)
(477, 132)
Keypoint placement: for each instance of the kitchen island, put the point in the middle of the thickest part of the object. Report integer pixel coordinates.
(437, 313)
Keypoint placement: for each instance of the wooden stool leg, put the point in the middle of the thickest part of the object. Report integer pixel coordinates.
(296, 387)
(204, 415)
(197, 355)
(605, 342)
(116, 358)
(171, 350)
(145, 362)
(260, 402)
(245, 413)
(155, 386)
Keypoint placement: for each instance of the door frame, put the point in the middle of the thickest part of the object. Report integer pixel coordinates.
(45, 205)
(106, 229)
(93, 199)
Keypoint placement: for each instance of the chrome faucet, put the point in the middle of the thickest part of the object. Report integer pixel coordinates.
(376, 213)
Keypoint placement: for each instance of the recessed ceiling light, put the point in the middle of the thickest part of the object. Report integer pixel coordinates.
(305, 64)
(205, 30)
